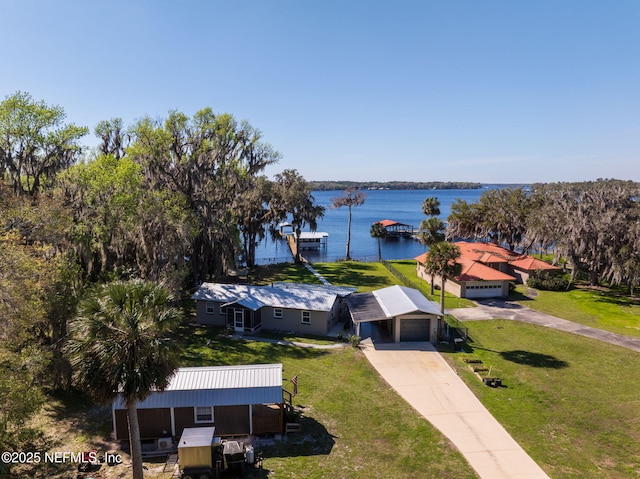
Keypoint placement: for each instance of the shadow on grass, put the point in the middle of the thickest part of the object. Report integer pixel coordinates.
(247, 473)
(94, 420)
(536, 360)
(518, 356)
(313, 439)
(298, 273)
(518, 296)
(207, 346)
(615, 298)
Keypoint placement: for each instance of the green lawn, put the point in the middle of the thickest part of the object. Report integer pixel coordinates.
(295, 273)
(353, 424)
(598, 308)
(571, 402)
(364, 276)
(289, 337)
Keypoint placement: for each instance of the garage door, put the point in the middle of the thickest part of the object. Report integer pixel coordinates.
(414, 330)
(484, 291)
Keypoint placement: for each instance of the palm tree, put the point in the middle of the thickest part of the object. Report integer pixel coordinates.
(350, 198)
(431, 229)
(120, 344)
(441, 262)
(431, 206)
(379, 232)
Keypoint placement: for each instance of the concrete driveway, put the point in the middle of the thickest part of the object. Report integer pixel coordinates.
(424, 379)
(502, 309)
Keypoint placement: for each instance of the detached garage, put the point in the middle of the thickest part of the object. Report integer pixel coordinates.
(414, 329)
(407, 314)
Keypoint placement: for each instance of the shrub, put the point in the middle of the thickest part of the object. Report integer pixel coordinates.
(548, 283)
(354, 340)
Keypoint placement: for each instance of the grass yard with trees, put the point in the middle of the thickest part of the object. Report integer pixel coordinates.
(570, 401)
(564, 396)
(352, 423)
(184, 199)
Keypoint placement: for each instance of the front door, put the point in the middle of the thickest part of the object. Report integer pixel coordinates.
(238, 320)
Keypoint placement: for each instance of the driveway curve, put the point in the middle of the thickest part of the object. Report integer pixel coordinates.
(502, 309)
(424, 379)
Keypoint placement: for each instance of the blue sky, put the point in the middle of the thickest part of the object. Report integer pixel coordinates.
(452, 90)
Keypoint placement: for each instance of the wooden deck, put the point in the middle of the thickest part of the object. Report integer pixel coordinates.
(292, 246)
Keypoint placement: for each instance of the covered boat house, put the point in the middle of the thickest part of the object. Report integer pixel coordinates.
(397, 230)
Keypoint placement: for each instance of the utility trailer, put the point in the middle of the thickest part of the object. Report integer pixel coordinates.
(199, 453)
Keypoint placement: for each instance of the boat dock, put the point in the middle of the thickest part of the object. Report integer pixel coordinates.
(396, 229)
(309, 241)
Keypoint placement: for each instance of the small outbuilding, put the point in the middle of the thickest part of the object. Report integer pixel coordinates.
(405, 312)
(236, 400)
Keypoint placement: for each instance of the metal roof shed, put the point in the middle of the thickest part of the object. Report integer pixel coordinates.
(207, 387)
(217, 386)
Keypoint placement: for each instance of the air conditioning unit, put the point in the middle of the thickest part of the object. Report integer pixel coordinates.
(165, 443)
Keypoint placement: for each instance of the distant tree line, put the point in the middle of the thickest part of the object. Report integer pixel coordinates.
(175, 201)
(594, 225)
(392, 185)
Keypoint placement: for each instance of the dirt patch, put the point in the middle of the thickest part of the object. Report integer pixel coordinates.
(71, 424)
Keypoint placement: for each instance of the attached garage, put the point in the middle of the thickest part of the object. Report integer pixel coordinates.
(486, 289)
(408, 315)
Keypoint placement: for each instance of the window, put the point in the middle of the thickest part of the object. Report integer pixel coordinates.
(277, 313)
(223, 310)
(203, 414)
(211, 307)
(306, 317)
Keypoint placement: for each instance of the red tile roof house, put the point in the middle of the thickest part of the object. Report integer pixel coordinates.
(487, 270)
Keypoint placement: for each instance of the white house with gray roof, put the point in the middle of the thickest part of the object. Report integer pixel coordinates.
(236, 400)
(291, 307)
(404, 312)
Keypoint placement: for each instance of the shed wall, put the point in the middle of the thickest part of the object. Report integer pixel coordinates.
(231, 420)
(185, 418)
(154, 423)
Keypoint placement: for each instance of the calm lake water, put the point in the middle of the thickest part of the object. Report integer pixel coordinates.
(404, 206)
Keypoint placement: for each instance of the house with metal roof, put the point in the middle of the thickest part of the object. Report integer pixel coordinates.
(236, 400)
(300, 308)
(486, 270)
(404, 312)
